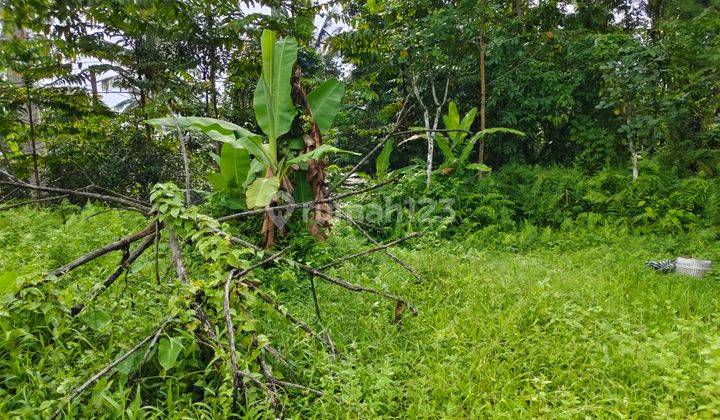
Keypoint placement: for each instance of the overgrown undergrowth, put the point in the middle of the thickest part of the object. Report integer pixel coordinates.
(534, 322)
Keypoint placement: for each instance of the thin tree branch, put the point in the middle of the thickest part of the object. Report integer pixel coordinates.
(307, 204)
(237, 381)
(290, 317)
(370, 251)
(377, 147)
(402, 263)
(186, 162)
(99, 252)
(38, 200)
(101, 197)
(321, 274)
(104, 371)
(123, 266)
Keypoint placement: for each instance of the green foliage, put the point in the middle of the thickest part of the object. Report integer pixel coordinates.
(244, 155)
(457, 152)
(573, 309)
(324, 103)
(273, 106)
(168, 351)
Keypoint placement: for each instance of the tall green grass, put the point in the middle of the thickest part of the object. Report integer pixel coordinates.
(540, 322)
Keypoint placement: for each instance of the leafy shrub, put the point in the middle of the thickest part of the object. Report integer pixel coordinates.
(112, 154)
(518, 195)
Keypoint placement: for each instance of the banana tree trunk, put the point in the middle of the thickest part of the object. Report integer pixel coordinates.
(316, 169)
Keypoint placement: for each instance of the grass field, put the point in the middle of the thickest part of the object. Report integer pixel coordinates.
(553, 324)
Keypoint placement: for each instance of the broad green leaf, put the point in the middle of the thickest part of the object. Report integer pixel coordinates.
(296, 144)
(272, 103)
(453, 116)
(7, 282)
(445, 148)
(468, 119)
(467, 122)
(96, 318)
(383, 161)
(255, 147)
(218, 182)
(479, 167)
(234, 164)
(256, 167)
(317, 154)
(168, 352)
(128, 365)
(218, 130)
(324, 103)
(452, 120)
(465, 153)
(261, 192)
(303, 191)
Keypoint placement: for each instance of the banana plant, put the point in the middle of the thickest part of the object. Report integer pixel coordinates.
(254, 168)
(456, 151)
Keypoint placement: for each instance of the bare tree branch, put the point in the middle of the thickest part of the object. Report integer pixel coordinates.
(370, 251)
(402, 263)
(123, 266)
(99, 252)
(101, 197)
(377, 147)
(38, 200)
(307, 204)
(104, 371)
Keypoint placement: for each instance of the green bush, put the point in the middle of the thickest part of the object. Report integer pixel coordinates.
(517, 195)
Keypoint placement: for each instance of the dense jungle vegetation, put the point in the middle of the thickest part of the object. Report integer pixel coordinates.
(358, 209)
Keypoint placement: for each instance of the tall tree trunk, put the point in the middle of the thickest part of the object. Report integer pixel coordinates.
(93, 86)
(481, 151)
(518, 7)
(33, 144)
(430, 130)
(428, 133)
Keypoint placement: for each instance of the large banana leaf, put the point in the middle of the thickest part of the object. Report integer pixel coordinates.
(234, 164)
(273, 105)
(218, 130)
(255, 147)
(303, 190)
(261, 192)
(317, 154)
(324, 103)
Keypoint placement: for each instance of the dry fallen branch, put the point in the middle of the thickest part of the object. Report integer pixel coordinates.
(328, 278)
(123, 266)
(290, 317)
(97, 253)
(104, 371)
(392, 256)
(85, 194)
(237, 378)
(39, 200)
(370, 251)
